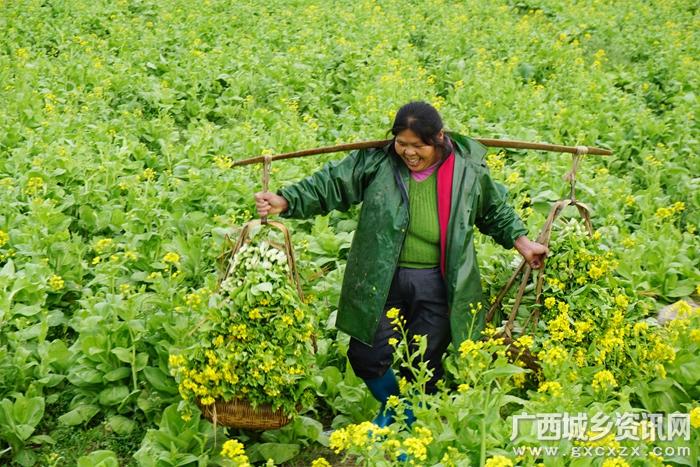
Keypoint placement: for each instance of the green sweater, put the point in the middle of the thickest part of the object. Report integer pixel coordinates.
(421, 249)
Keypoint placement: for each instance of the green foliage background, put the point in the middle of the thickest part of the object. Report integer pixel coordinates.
(118, 121)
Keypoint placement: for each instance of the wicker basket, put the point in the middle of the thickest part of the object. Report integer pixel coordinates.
(240, 414)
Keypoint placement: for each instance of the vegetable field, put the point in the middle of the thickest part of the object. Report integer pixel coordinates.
(119, 124)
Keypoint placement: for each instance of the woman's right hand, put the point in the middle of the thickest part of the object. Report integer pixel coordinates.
(269, 203)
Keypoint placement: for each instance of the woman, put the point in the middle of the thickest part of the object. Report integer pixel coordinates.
(413, 248)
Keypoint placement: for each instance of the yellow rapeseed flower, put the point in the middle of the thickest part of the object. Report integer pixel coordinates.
(683, 309)
(171, 258)
(513, 178)
(663, 352)
(582, 328)
(415, 448)
(524, 341)
(4, 238)
(519, 380)
(148, 174)
(103, 245)
(223, 162)
(234, 450)
(595, 272)
(695, 417)
(603, 380)
(34, 185)
(621, 300)
(695, 336)
(660, 370)
(640, 328)
(392, 313)
(403, 385)
(553, 356)
(549, 302)
(469, 346)
(393, 401)
(193, 299)
(552, 387)
(56, 282)
(559, 328)
(320, 462)
(498, 461)
(555, 283)
(628, 242)
(615, 462)
(254, 314)
(495, 161)
(176, 361)
(678, 206)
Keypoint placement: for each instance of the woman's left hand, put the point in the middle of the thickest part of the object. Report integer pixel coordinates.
(533, 252)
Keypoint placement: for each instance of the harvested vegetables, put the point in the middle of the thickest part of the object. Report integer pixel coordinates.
(258, 342)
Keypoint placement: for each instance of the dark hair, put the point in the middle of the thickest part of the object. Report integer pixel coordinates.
(424, 120)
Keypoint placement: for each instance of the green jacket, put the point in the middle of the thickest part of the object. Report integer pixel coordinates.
(379, 179)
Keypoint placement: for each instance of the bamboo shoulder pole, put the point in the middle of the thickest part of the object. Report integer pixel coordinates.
(495, 143)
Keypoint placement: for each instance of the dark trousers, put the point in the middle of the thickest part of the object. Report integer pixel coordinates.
(421, 297)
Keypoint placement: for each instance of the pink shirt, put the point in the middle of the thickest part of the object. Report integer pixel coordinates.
(423, 174)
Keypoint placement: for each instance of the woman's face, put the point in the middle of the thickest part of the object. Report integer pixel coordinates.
(416, 154)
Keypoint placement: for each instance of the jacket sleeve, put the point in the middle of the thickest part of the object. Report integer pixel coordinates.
(338, 185)
(494, 216)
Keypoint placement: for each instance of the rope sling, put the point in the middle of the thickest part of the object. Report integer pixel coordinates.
(544, 238)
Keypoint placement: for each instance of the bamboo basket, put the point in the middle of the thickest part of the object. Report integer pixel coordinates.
(239, 413)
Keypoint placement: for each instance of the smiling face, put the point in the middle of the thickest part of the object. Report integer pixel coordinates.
(416, 154)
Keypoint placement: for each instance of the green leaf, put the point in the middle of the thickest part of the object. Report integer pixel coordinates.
(262, 287)
(160, 380)
(141, 361)
(682, 290)
(28, 411)
(99, 459)
(84, 376)
(172, 421)
(51, 380)
(498, 372)
(278, 452)
(309, 428)
(26, 310)
(79, 415)
(57, 354)
(123, 354)
(25, 458)
(8, 270)
(113, 395)
(117, 374)
(42, 439)
(121, 425)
